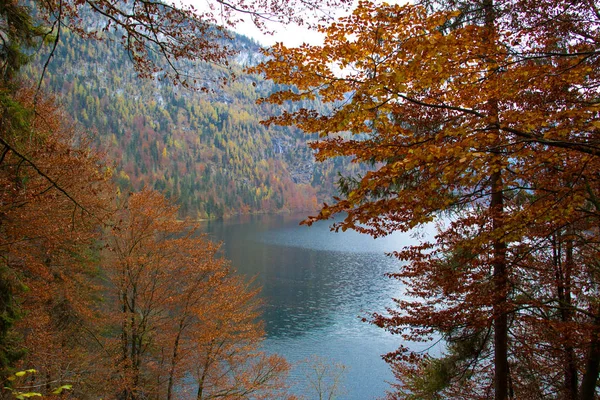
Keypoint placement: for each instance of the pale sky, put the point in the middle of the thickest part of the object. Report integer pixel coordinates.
(290, 35)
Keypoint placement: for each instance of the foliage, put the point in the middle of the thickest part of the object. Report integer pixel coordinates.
(183, 319)
(176, 34)
(17, 32)
(208, 150)
(26, 395)
(54, 191)
(484, 120)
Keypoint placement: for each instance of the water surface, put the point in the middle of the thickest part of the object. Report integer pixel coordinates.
(316, 285)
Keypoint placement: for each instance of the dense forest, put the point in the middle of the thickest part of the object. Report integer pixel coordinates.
(205, 148)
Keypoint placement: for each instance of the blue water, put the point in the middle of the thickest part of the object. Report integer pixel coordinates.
(316, 285)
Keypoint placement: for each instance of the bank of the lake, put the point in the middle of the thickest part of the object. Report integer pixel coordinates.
(316, 286)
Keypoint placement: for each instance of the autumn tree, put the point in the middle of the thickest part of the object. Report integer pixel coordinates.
(55, 190)
(45, 216)
(182, 314)
(483, 119)
(225, 350)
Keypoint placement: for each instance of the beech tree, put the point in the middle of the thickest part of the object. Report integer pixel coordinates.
(484, 119)
(225, 352)
(55, 190)
(182, 314)
(45, 238)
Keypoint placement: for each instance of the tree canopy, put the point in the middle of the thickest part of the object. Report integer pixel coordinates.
(483, 117)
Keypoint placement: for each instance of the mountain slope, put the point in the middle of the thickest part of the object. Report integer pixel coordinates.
(208, 149)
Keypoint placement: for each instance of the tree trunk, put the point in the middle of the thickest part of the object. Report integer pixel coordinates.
(592, 367)
(564, 298)
(135, 340)
(205, 368)
(500, 279)
(499, 246)
(125, 393)
(174, 360)
(199, 394)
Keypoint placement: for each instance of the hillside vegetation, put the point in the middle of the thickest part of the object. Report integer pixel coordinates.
(205, 148)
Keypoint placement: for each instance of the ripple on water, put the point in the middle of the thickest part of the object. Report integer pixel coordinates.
(316, 284)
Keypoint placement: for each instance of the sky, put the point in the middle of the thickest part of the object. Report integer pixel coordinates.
(290, 35)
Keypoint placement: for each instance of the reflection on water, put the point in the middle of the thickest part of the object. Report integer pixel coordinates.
(316, 284)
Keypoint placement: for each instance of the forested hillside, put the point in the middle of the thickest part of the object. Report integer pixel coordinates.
(205, 148)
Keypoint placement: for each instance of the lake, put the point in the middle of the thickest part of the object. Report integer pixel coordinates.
(316, 285)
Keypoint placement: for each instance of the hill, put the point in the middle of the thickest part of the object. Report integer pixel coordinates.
(205, 148)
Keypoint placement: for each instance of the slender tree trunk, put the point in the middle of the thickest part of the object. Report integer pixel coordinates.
(202, 380)
(592, 367)
(592, 364)
(205, 368)
(564, 298)
(499, 246)
(134, 346)
(125, 394)
(500, 279)
(174, 360)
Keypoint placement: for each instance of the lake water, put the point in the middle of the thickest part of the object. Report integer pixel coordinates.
(316, 285)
